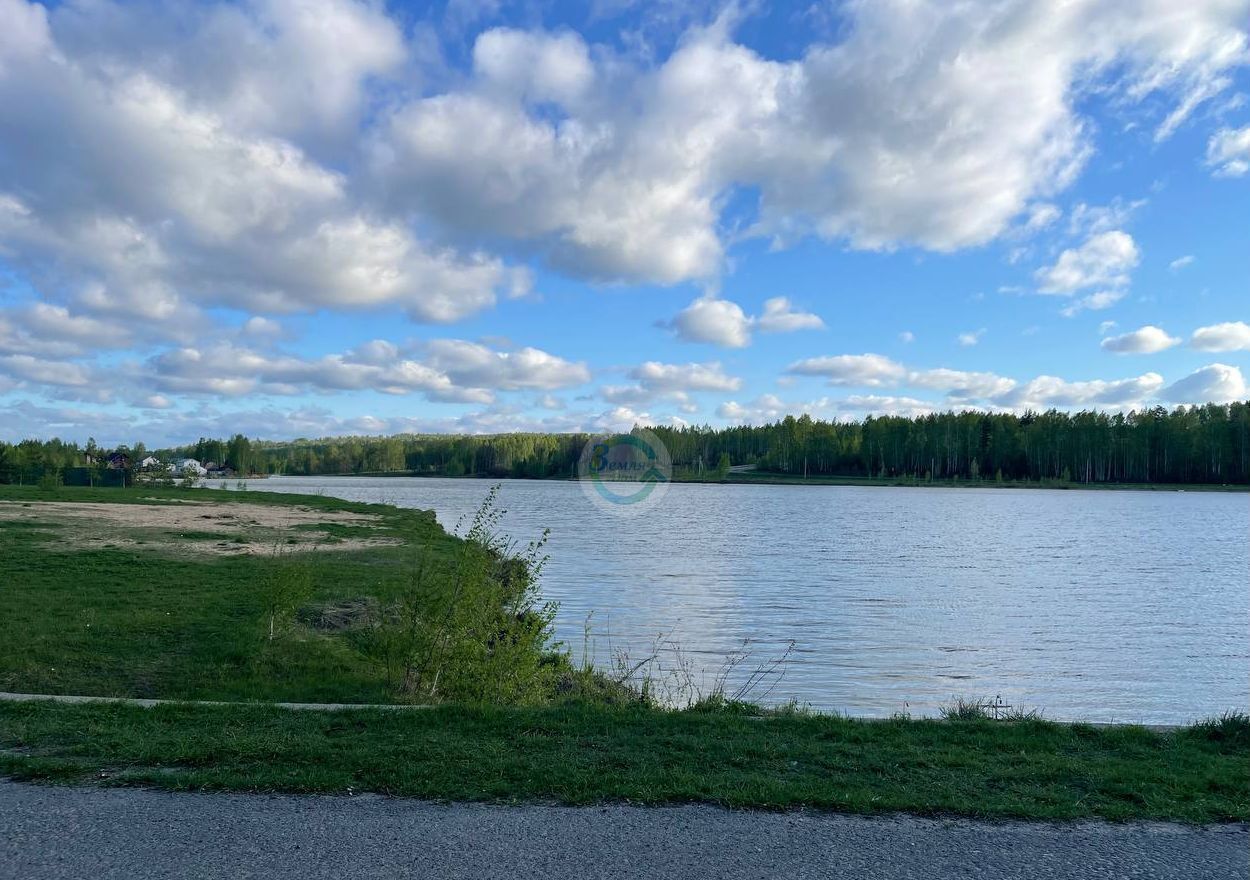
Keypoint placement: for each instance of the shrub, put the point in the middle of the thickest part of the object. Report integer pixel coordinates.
(477, 632)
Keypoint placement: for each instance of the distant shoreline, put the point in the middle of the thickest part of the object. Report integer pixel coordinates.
(760, 478)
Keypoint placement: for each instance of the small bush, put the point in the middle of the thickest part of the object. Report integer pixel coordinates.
(1231, 728)
(984, 709)
(477, 632)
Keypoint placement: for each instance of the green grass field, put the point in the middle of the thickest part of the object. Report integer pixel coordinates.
(116, 601)
(129, 612)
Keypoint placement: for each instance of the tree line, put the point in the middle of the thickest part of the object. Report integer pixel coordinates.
(1199, 444)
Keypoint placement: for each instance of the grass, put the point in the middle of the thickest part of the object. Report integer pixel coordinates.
(581, 754)
(138, 622)
(142, 621)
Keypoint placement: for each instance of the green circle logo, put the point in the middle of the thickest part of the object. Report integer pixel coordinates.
(624, 472)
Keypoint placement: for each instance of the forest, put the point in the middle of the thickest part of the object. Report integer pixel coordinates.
(1195, 445)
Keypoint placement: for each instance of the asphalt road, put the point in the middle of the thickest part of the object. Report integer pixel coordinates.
(51, 832)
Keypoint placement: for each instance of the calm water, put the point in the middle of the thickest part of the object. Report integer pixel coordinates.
(1130, 606)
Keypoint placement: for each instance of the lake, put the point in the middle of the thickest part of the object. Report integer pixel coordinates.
(1093, 605)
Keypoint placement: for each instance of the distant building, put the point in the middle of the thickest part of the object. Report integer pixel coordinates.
(118, 461)
(151, 463)
(185, 466)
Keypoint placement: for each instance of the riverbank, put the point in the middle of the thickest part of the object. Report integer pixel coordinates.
(168, 594)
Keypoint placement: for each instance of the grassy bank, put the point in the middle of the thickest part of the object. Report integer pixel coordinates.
(110, 605)
(581, 754)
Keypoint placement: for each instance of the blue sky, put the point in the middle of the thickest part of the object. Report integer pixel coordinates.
(309, 217)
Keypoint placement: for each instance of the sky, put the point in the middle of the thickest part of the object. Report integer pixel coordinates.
(317, 217)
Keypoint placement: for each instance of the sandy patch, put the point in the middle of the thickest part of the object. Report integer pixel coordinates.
(191, 526)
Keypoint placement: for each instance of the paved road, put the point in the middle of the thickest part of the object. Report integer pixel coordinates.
(48, 832)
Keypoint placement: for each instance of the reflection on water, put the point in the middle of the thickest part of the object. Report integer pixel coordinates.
(1098, 605)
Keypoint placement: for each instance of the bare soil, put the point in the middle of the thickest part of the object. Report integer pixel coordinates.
(193, 526)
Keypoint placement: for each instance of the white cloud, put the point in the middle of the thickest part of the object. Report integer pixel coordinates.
(724, 323)
(656, 376)
(1106, 327)
(24, 367)
(970, 338)
(1103, 260)
(1214, 383)
(470, 364)
(448, 370)
(1144, 340)
(1228, 152)
(926, 124)
(763, 409)
(1229, 336)
(715, 321)
(1046, 392)
(1089, 220)
(228, 209)
(290, 151)
(961, 386)
(1181, 262)
(770, 408)
(1094, 302)
(262, 328)
(907, 337)
(872, 370)
(1040, 216)
(780, 317)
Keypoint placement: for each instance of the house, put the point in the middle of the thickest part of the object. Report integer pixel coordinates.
(185, 466)
(118, 461)
(151, 463)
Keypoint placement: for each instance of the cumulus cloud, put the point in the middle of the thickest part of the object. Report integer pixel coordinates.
(780, 316)
(656, 376)
(151, 193)
(673, 383)
(770, 408)
(724, 323)
(1228, 152)
(289, 155)
(1228, 336)
(961, 386)
(970, 338)
(871, 370)
(1103, 260)
(447, 370)
(1046, 392)
(715, 321)
(1144, 340)
(24, 419)
(926, 124)
(40, 371)
(1094, 302)
(1215, 383)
